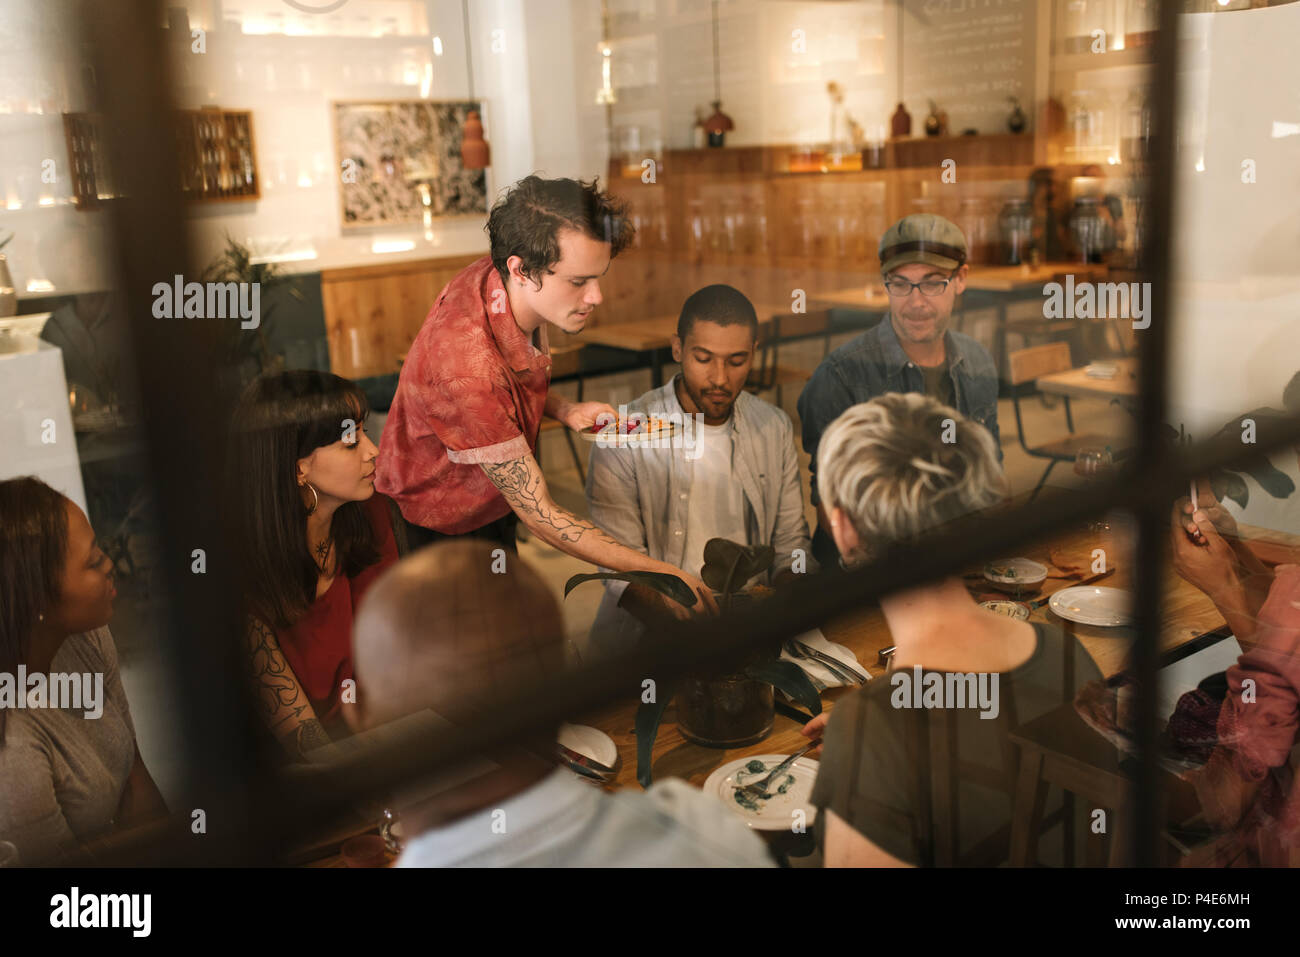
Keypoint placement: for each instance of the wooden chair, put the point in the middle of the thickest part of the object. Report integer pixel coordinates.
(1059, 749)
(1027, 365)
(767, 372)
(939, 781)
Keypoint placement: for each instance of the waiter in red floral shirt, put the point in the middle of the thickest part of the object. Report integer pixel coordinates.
(457, 453)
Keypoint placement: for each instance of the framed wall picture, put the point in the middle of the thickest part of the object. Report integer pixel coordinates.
(400, 162)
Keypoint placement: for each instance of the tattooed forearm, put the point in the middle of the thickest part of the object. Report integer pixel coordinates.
(282, 703)
(521, 483)
(277, 688)
(309, 734)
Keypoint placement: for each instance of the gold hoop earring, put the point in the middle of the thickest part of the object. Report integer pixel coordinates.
(315, 499)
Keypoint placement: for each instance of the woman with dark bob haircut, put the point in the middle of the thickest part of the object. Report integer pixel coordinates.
(312, 535)
(70, 770)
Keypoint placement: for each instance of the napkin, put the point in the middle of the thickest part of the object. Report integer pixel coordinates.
(815, 669)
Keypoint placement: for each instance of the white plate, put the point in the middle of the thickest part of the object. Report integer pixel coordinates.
(1025, 574)
(637, 438)
(776, 814)
(1093, 605)
(594, 743)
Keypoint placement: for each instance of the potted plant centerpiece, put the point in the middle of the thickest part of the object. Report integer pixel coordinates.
(725, 707)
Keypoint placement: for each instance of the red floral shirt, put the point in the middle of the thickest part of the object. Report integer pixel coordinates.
(472, 391)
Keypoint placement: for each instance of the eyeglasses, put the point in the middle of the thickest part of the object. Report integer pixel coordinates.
(901, 288)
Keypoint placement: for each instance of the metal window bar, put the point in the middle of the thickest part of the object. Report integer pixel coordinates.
(183, 431)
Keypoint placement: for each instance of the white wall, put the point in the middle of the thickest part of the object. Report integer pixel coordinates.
(287, 67)
(1236, 334)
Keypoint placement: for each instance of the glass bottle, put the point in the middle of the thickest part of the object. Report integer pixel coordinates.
(1016, 227)
(1135, 132)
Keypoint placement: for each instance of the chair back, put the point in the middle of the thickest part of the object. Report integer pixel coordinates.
(1026, 365)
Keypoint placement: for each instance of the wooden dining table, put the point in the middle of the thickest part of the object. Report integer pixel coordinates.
(998, 287)
(651, 337)
(1078, 384)
(869, 298)
(1186, 614)
(1027, 278)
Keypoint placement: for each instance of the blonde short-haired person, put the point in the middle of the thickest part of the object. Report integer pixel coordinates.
(888, 475)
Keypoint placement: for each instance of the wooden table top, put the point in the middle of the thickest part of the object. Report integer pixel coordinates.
(1077, 384)
(655, 332)
(1186, 614)
(1020, 278)
(870, 298)
(637, 335)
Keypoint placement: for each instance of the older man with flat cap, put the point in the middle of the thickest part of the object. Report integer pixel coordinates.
(923, 264)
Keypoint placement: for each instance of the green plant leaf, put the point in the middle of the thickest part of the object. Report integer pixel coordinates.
(788, 678)
(648, 717)
(1228, 485)
(665, 584)
(1275, 483)
(728, 565)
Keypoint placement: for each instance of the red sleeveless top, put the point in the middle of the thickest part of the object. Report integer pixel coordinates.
(318, 646)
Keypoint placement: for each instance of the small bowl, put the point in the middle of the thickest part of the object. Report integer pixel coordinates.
(1012, 609)
(1015, 575)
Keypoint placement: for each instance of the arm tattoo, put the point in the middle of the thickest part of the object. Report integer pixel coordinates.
(281, 700)
(310, 734)
(520, 482)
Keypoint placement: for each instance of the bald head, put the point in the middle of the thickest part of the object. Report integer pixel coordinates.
(441, 630)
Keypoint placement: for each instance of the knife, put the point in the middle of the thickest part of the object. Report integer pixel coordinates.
(582, 762)
(1087, 581)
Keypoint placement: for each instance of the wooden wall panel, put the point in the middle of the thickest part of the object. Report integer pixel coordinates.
(372, 313)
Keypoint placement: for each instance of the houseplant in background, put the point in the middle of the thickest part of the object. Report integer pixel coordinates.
(1265, 424)
(729, 707)
(248, 351)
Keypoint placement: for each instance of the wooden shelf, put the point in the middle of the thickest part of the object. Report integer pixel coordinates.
(91, 179)
(218, 161)
(217, 157)
(1076, 62)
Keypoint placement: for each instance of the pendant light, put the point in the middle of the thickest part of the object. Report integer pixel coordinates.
(474, 150)
(719, 124)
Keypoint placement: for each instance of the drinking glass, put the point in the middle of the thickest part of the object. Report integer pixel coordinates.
(1094, 465)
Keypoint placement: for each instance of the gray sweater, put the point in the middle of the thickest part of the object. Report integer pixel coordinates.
(61, 774)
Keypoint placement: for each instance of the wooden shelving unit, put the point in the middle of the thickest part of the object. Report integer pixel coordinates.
(219, 162)
(216, 151)
(91, 178)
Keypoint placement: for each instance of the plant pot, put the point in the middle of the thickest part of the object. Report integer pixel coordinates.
(724, 711)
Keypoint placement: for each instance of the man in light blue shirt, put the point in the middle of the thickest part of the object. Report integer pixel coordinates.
(442, 631)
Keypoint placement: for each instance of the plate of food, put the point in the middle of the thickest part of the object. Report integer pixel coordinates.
(1093, 605)
(633, 428)
(791, 790)
(1015, 574)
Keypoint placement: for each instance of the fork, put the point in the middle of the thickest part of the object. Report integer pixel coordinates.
(759, 788)
(817, 683)
(839, 669)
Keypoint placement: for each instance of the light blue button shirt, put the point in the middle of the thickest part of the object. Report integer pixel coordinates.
(562, 822)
